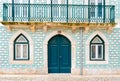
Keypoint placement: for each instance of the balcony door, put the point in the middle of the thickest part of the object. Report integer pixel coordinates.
(96, 9)
(59, 10)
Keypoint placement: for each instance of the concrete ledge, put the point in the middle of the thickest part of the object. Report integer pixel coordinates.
(101, 71)
(24, 71)
(59, 77)
(44, 71)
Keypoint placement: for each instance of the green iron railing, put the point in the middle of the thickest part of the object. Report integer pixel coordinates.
(58, 13)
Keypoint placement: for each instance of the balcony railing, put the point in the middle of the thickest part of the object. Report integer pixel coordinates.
(58, 13)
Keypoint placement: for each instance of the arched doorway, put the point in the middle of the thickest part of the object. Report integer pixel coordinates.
(59, 55)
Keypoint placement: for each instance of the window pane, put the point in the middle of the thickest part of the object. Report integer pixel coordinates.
(97, 40)
(25, 11)
(18, 51)
(99, 8)
(21, 39)
(55, 1)
(92, 8)
(21, 1)
(55, 9)
(62, 12)
(92, 2)
(99, 1)
(100, 52)
(63, 1)
(92, 11)
(93, 51)
(25, 1)
(16, 1)
(25, 51)
(17, 11)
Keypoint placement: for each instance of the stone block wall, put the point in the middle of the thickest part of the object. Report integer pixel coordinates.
(38, 38)
(113, 66)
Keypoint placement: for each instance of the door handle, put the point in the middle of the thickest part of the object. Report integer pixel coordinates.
(60, 56)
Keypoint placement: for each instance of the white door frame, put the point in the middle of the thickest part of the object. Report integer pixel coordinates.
(74, 70)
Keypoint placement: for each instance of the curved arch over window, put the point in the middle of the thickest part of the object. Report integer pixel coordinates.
(97, 49)
(21, 48)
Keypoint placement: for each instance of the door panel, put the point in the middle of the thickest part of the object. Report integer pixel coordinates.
(53, 59)
(65, 59)
(53, 55)
(59, 55)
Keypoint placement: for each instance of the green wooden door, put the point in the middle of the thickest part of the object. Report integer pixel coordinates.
(59, 55)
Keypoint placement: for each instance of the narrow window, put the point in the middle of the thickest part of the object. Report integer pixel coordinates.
(21, 48)
(97, 49)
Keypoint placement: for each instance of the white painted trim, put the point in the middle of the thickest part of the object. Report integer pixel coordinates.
(73, 50)
(106, 48)
(11, 51)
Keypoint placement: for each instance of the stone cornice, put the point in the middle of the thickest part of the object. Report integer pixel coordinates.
(45, 25)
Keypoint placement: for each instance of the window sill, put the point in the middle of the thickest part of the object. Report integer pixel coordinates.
(97, 62)
(21, 62)
(21, 59)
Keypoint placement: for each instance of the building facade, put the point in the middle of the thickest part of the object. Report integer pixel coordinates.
(60, 36)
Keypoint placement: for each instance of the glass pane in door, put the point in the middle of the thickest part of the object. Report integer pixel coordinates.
(54, 1)
(92, 8)
(99, 8)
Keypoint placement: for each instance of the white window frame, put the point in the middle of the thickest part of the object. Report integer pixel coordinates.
(11, 47)
(106, 47)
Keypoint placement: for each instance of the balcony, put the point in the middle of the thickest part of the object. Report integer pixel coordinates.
(66, 15)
